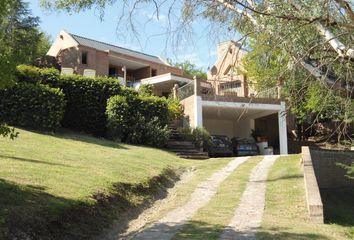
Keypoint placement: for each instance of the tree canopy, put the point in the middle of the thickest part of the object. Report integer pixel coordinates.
(189, 68)
(21, 43)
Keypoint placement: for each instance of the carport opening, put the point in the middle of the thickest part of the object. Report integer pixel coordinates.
(268, 127)
(238, 123)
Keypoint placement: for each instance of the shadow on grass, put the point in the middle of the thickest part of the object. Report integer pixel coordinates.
(31, 160)
(338, 204)
(81, 137)
(286, 177)
(27, 212)
(197, 230)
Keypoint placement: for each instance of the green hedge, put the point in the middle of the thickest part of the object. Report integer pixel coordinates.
(138, 120)
(32, 105)
(86, 97)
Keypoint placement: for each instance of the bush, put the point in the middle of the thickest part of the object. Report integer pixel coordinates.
(199, 136)
(86, 97)
(30, 74)
(32, 105)
(138, 120)
(175, 109)
(146, 90)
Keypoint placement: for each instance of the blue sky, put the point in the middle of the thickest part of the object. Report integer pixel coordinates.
(197, 45)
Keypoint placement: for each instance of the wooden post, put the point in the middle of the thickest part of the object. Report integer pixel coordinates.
(280, 85)
(197, 90)
(175, 91)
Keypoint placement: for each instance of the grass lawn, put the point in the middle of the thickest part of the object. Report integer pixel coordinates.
(211, 220)
(44, 177)
(286, 214)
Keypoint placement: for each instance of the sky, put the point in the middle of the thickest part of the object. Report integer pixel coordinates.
(152, 36)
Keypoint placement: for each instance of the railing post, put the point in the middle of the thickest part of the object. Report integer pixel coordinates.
(175, 91)
(197, 90)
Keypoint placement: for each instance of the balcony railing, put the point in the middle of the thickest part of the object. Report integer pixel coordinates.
(185, 91)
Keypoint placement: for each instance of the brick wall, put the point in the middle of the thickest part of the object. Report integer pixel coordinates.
(328, 174)
(97, 60)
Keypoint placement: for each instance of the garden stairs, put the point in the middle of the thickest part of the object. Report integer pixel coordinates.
(184, 149)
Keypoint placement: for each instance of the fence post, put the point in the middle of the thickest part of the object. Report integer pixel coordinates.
(175, 91)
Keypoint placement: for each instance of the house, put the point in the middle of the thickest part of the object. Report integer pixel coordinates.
(226, 105)
(80, 55)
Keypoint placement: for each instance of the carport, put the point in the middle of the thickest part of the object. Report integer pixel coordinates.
(236, 117)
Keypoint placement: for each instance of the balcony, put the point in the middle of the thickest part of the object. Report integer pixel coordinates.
(208, 92)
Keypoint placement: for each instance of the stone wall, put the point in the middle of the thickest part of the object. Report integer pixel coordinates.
(313, 196)
(328, 173)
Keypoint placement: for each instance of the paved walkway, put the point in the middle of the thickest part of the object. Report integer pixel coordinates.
(168, 226)
(248, 216)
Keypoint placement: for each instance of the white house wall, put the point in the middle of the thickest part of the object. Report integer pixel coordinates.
(219, 127)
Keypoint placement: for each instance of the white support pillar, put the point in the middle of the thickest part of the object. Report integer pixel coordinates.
(283, 138)
(198, 111)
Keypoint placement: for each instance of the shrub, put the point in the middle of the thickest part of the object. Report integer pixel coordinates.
(175, 109)
(32, 105)
(138, 120)
(199, 136)
(86, 97)
(146, 90)
(31, 74)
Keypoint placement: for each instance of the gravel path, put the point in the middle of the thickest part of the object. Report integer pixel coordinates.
(168, 226)
(248, 216)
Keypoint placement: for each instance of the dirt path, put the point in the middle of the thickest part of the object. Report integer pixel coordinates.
(248, 216)
(168, 226)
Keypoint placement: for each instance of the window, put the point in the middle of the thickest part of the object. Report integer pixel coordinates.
(112, 71)
(231, 88)
(153, 72)
(84, 57)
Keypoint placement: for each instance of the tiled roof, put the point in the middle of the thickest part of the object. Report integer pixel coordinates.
(109, 47)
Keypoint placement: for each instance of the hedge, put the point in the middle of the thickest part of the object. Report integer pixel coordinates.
(86, 97)
(32, 105)
(138, 120)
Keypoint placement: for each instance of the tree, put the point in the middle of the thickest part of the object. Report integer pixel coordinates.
(189, 68)
(21, 43)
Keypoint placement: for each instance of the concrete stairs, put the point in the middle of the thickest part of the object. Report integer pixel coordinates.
(184, 149)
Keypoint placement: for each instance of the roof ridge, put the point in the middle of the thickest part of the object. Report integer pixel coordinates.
(149, 55)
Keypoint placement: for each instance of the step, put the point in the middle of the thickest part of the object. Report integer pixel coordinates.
(192, 154)
(179, 150)
(194, 157)
(182, 143)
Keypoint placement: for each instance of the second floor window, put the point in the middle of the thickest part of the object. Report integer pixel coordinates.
(84, 57)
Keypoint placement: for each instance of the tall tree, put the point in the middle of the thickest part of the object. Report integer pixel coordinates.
(21, 43)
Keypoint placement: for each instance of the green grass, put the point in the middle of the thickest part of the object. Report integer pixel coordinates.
(44, 177)
(286, 214)
(211, 220)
